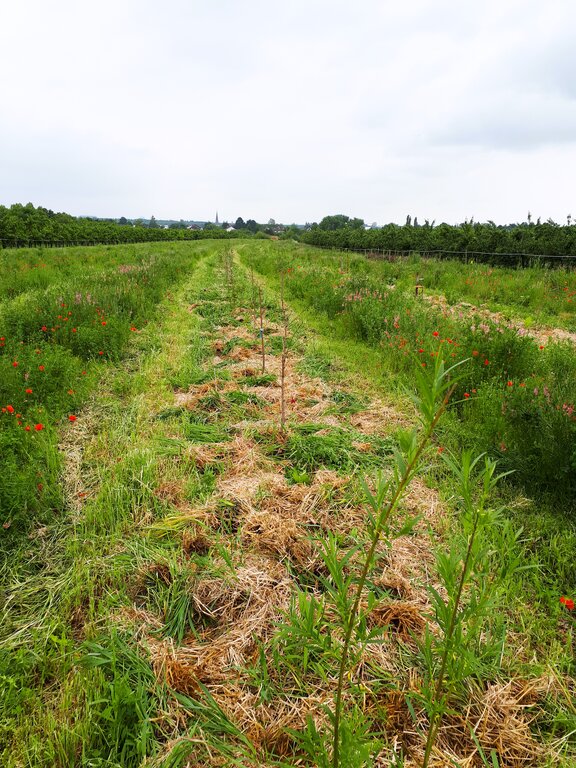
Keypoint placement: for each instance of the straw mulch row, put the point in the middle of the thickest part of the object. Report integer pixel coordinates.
(271, 528)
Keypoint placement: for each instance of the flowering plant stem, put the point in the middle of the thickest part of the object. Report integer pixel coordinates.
(432, 401)
(451, 615)
(435, 718)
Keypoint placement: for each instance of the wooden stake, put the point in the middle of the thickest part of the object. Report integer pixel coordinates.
(232, 283)
(283, 359)
(262, 330)
(253, 295)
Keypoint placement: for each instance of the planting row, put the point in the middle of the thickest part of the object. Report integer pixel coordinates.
(53, 341)
(516, 396)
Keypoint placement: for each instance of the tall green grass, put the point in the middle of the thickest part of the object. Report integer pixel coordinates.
(518, 397)
(56, 333)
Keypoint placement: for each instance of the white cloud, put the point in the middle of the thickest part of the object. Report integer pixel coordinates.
(266, 109)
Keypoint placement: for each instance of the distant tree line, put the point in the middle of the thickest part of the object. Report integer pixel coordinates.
(530, 237)
(26, 224)
(23, 224)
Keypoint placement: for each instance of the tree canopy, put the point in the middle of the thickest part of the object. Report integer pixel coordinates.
(25, 224)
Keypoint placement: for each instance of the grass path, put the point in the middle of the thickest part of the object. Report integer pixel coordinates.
(180, 617)
(75, 568)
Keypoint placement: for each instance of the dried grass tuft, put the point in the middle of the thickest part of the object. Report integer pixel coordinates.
(194, 395)
(404, 619)
(276, 535)
(241, 612)
(177, 675)
(496, 718)
(241, 353)
(195, 541)
(170, 491)
(378, 419)
(206, 455)
(395, 583)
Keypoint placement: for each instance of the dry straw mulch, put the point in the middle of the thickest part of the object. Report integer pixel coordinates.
(275, 524)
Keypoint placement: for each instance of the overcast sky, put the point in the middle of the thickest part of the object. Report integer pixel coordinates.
(290, 110)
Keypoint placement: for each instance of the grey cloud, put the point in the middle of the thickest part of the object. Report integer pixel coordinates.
(512, 123)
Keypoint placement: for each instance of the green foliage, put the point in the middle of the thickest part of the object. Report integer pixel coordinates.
(22, 225)
(123, 708)
(471, 241)
(134, 555)
(259, 381)
(54, 341)
(238, 397)
(346, 402)
(530, 433)
(168, 589)
(337, 449)
(204, 433)
(468, 644)
(315, 364)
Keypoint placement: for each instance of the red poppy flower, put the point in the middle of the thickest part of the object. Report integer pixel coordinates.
(100, 353)
(420, 350)
(28, 391)
(466, 395)
(435, 333)
(103, 322)
(486, 362)
(40, 367)
(39, 427)
(510, 383)
(475, 353)
(15, 364)
(10, 408)
(567, 602)
(27, 428)
(72, 417)
(44, 328)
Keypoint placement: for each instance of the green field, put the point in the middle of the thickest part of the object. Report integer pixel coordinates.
(249, 518)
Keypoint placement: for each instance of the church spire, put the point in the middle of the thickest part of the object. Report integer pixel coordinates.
(216, 222)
